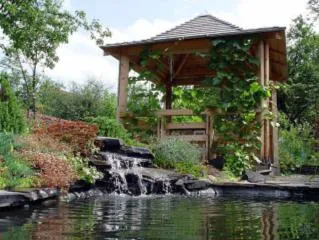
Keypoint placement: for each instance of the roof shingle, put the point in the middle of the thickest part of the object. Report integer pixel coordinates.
(203, 25)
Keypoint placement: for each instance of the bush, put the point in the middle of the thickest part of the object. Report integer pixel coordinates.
(110, 127)
(14, 172)
(54, 161)
(84, 172)
(76, 134)
(177, 154)
(11, 117)
(296, 146)
(236, 159)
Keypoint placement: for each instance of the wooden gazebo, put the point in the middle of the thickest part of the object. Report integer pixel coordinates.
(179, 46)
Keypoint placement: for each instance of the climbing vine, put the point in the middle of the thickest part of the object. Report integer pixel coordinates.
(237, 97)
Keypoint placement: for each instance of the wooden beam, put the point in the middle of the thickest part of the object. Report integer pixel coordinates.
(266, 122)
(261, 54)
(168, 96)
(193, 138)
(175, 112)
(181, 65)
(177, 126)
(275, 154)
(174, 47)
(277, 51)
(122, 85)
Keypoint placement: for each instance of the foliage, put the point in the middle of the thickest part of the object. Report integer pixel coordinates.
(300, 103)
(83, 170)
(78, 135)
(11, 116)
(296, 145)
(45, 27)
(112, 128)
(143, 102)
(14, 172)
(178, 154)
(314, 7)
(238, 160)
(54, 161)
(237, 95)
(81, 101)
(53, 170)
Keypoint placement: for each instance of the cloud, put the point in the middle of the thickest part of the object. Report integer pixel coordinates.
(255, 14)
(81, 59)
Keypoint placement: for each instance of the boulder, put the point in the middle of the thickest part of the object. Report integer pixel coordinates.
(12, 199)
(108, 144)
(218, 162)
(253, 177)
(137, 152)
(197, 185)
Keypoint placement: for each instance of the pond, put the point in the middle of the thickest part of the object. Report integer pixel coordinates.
(164, 217)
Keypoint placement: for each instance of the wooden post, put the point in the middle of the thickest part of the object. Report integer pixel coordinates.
(275, 154)
(261, 54)
(168, 96)
(266, 102)
(122, 86)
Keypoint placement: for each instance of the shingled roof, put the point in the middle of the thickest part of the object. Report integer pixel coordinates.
(198, 27)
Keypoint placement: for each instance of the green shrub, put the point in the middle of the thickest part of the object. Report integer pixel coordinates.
(296, 145)
(14, 172)
(236, 159)
(11, 117)
(83, 170)
(110, 127)
(177, 154)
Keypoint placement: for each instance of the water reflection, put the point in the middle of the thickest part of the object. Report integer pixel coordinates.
(169, 217)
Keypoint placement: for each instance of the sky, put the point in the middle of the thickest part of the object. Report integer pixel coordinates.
(129, 20)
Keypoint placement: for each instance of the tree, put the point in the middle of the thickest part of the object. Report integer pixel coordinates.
(90, 99)
(314, 7)
(11, 117)
(34, 30)
(300, 98)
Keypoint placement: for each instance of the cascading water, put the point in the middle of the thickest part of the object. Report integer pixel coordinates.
(130, 170)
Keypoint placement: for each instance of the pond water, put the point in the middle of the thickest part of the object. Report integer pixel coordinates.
(164, 217)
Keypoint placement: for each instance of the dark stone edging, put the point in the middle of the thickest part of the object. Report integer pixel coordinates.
(11, 199)
(273, 191)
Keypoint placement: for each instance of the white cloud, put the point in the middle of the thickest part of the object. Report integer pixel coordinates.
(81, 58)
(260, 13)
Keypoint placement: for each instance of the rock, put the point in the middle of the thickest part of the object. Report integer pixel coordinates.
(218, 162)
(162, 187)
(197, 185)
(134, 184)
(108, 144)
(136, 152)
(253, 177)
(212, 178)
(12, 199)
(80, 185)
(23, 197)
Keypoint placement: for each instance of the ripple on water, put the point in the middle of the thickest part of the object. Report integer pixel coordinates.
(164, 217)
